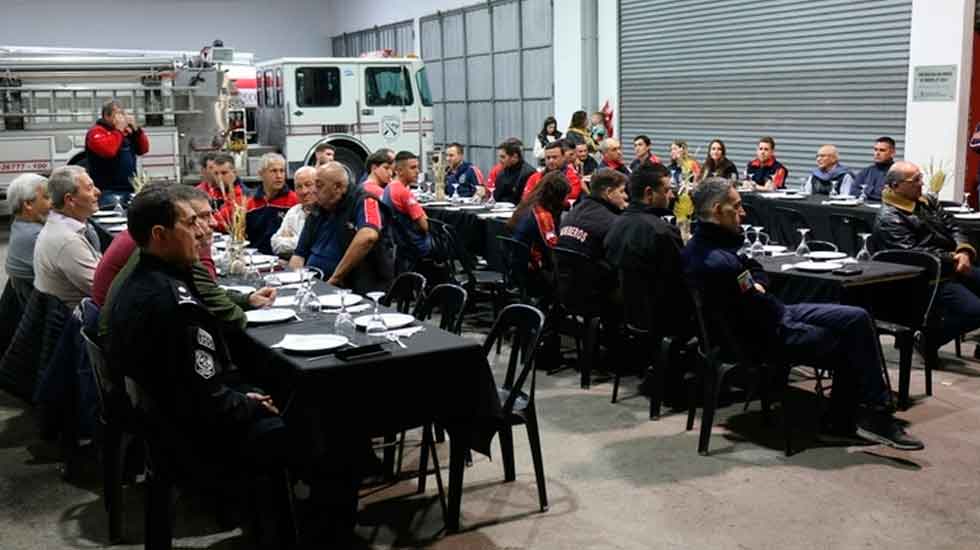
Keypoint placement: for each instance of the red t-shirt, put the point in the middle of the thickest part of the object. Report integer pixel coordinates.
(403, 201)
(574, 183)
(113, 260)
(374, 188)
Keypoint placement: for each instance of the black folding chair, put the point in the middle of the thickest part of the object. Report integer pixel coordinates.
(516, 257)
(480, 284)
(405, 292)
(581, 291)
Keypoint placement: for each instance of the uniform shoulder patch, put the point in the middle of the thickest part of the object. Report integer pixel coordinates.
(204, 364)
(182, 293)
(205, 340)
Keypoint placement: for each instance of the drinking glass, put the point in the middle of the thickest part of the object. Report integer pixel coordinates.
(758, 249)
(966, 202)
(309, 304)
(118, 208)
(746, 243)
(344, 323)
(803, 250)
(669, 219)
(864, 255)
(251, 271)
(272, 280)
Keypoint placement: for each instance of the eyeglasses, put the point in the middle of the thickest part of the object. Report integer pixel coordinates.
(915, 178)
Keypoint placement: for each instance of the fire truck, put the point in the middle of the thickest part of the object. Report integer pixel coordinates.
(358, 105)
(186, 103)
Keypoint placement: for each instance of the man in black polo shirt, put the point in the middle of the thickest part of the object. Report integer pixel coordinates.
(514, 172)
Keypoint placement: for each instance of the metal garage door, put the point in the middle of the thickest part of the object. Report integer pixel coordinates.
(491, 73)
(806, 73)
(399, 37)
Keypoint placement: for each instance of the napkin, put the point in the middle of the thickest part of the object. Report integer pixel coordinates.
(353, 309)
(404, 332)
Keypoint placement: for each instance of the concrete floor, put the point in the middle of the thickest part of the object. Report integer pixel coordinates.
(615, 480)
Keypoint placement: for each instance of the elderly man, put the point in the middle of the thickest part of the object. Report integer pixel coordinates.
(554, 161)
(764, 172)
(266, 209)
(409, 222)
(612, 156)
(643, 148)
(224, 189)
(870, 182)
(111, 148)
(379, 172)
(830, 177)
(345, 234)
(841, 338)
(509, 182)
(67, 249)
(285, 239)
(29, 203)
(908, 220)
(464, 176)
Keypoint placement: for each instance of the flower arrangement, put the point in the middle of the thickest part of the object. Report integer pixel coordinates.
(935, 175)
(139, 181)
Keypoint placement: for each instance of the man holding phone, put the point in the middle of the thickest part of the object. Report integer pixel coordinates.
(111, 148)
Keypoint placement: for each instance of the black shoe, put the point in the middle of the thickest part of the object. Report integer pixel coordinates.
(884, 429)
(839, 433)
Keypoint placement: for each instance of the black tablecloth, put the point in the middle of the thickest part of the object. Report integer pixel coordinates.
(837, 224)
(794, 286)
(440, 376)
(479, 235)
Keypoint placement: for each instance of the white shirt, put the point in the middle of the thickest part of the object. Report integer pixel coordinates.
(64, 259)
(287, 237)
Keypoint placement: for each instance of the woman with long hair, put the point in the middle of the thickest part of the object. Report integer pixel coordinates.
(578, 130)
(716, 163)
(549, 133)
(535, 223)
(684, 172)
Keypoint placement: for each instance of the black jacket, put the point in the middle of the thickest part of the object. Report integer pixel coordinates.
(640, 242)
(509, 186)
(164, 338)
(924, 225)
(585, 226)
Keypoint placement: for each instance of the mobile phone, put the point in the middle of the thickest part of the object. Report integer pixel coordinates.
(848, 270)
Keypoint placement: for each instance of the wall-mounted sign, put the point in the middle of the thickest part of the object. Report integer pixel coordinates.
(934, 83)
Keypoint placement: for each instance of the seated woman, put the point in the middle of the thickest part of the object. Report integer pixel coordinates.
(716, 164)
(535, 223)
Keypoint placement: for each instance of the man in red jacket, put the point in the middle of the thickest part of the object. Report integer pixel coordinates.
(554, 159)
(111, 148)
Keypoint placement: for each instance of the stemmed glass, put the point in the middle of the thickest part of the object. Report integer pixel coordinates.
(251, 271)
(309, 303)
(758, 248)
(669, 219)
(864, 255)
(118, 208)
(344, 323)
(966, 202)
(454, 196)
(746, 243)
(803, 250)
(376, 325)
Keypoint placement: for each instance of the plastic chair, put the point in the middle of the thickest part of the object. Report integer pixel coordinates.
(405, 292)
(480, 284)
(580, 294)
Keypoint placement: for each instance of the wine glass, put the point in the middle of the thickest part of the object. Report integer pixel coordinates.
(376, 325)
(251, 271)
(758, 249)
(118, 208)
(669, 219)
(746, 243)
(309, 304)
(864, 255)
(803, 250)
(344, 323)
(966, 202)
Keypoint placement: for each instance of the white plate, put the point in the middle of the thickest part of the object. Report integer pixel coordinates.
(973, 216)
(291, 277)
(873, 205)
(391, 320)
(818, 267)
(774, 248)
(957, 209)
(112, 219)
(843, 202)
(105, 213)
(271, 315)
(333, 300)
(244, 289)
(116, 228)
(307, 343)
(472, 207)
(496, 215)
(824, 255)
(504, 206)
(437, 203)
(224, 244)
(260, 259)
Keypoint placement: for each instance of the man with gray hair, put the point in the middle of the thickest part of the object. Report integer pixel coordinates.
(266, 209)
(29, 203)
(67, 250)
(830, 176)
(612, 156)
(841, 338)
(287, 236)
(111, 148)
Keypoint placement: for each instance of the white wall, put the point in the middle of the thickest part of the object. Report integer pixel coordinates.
(608, 73)
(567, 50)
(942, 34)
(256, 26)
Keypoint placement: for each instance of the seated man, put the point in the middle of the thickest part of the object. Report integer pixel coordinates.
(463, 175)
(510, 181)
(29, 203)
(643, 148)
(910, 221)
(584, 163)
(764, 171)
(224, 188)
(554, 161)
(67, 249)
(345, 236)
(841, 338)
(324, 153)
(870, 182)
(830, 176)
(284, 241)
(266, 209)
(409, 222)
(379, 173)
(207, 167)
(612, 156)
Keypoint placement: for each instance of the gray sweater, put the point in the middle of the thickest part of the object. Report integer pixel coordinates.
(20, 253)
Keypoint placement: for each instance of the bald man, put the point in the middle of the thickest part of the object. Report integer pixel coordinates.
(345, 235)
(287, 236)
(830, 177)
(909, 220)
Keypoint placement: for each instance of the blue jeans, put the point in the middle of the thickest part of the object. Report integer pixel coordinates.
(960, 302)
(840, 338)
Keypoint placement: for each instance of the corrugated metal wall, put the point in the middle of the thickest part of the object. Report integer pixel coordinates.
(805, 73)
(399, 37)
(491, 73)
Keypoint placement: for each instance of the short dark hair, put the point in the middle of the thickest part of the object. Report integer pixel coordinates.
(511, 147)
(886, 139)
(206, 157)
(224, 158)
(323, 147)
(644, 138)
(377, 158)
(109, 106)
(769, 140)
(554, 145)
(566, 145)
(149, 208)
(580, 119)
(181, 192)
(405, 155)
(647, 174)
(458, 146)
(605, 179)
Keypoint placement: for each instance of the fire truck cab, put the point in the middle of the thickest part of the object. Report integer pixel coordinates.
(358, 105)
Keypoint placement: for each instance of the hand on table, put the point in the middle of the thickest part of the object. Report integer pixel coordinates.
(265, 400)
(262, 297)
(963, 263)
(335, 281)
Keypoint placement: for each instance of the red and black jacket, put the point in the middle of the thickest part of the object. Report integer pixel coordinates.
(771, 170)
(111, 155)
(264, 216)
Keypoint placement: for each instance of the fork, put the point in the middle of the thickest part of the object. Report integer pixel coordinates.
(394, 338)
